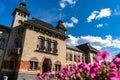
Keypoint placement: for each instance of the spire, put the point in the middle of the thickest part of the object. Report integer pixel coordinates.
(21, 8)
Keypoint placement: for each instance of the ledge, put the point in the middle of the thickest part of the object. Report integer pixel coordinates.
(47, 52)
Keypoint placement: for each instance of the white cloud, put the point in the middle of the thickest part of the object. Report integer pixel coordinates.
(67, 24)
(106, 12)
(74, 20)
(95, 41)
(72, 23)
(92, 16)
(63, 3)
(99, 25)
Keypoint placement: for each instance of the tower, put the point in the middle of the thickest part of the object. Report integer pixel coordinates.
(20, 14)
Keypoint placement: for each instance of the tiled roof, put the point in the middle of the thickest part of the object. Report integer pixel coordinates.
(86, 46)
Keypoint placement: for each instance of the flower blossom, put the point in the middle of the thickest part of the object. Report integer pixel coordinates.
(103, 55)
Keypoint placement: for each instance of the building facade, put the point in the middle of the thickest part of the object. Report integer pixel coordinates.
(33, 46)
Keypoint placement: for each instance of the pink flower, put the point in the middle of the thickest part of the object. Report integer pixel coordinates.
(112, 65)
(94, 69)
(73, 65)
(112, 74)
(72, 74)
(78, 75)
(84, 66)
(118, 75)
(103, 55)
(116, 61)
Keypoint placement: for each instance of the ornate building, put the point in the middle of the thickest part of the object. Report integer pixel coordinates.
(33, 46)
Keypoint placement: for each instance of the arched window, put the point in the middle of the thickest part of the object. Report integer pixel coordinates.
(33, 63)
(57, 66)
(2, 43)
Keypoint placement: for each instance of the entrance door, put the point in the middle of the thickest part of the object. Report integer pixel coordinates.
(47, 65)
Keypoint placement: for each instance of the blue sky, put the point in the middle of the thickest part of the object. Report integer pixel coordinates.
(94, 21)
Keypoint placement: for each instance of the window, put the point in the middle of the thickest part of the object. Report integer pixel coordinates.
(83, 60)
(54, 47)
(75, 58)
(48, 45)
(18, 13)
(78, 58)
(70, 57)
(2, 43)
(66, 56)
(57, 67)
(21, 14)
(41, 43)
(24, 16)
(33, 65)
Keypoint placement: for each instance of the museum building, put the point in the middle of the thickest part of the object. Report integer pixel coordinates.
(32, 46)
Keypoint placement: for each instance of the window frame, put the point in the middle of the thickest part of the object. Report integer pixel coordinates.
(33, 66)
(71, 57)
(54, 46)
(42, 45)
(75, 58)
(48, 46)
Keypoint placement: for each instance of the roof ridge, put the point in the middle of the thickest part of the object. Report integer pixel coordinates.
(33, 18)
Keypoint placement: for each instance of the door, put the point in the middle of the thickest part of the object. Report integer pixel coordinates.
(47, 65)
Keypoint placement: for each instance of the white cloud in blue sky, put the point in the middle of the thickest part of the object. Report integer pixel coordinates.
(2, 7)
(106, 12)
(92, 16)
(72, 22)
(64, 3)
(96, 41)
(99, 25)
